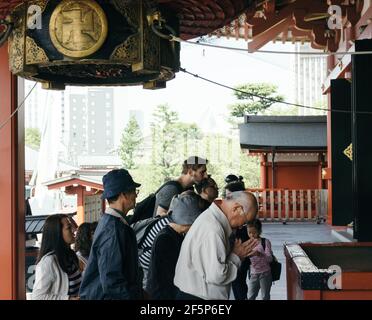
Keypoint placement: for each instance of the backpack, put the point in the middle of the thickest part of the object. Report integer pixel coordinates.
(145, 209)
(142, 228)
(275, 265)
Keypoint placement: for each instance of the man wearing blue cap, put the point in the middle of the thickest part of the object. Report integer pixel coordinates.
(112, 271)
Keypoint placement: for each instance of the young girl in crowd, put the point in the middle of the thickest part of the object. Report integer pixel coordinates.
(57, 275)
(260, 271)
(83, 243)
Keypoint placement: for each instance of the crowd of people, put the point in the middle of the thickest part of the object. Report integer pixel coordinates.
(194, 245)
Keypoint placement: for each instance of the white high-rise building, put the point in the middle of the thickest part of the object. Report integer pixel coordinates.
(89, 125)
(309, 73)
(100, 117)
(35, 105)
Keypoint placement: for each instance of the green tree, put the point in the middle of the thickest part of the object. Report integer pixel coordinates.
(131, 141)
(165, 133)
(33, 137)
(172, 141)
(227, 157)
(191, 130)
(249, 104)
(250, 170)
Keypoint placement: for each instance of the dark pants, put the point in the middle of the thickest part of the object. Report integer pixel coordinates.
(239, 286)
(185, 296)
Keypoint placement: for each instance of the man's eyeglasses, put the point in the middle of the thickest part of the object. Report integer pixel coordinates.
(136, 191)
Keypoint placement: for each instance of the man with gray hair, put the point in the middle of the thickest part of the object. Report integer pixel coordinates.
(207, 264)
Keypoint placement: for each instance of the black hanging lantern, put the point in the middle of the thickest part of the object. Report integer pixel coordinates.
(88, 42)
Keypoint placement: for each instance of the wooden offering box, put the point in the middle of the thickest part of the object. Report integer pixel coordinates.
(308, 270)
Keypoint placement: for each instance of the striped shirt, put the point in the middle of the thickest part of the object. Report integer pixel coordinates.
(74, 281)
(146, 246)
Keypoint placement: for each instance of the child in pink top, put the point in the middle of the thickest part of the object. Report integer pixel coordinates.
(260, 271)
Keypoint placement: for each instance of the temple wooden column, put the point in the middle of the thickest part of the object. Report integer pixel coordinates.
(12, 185)
(80, 205)
(263, 165)
(342, 213)
(361, 137)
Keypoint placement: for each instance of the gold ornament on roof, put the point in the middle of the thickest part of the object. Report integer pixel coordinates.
(349, 152)
(78, 28)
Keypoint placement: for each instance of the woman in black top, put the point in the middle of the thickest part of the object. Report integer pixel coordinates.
(239, 286)
(183, 211)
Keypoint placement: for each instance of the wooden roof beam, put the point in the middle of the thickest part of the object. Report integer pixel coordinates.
(362, 30)
(260, 40)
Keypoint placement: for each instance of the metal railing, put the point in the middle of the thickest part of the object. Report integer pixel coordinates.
(285, 205)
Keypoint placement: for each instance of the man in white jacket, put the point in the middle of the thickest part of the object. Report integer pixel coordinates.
(207, 265)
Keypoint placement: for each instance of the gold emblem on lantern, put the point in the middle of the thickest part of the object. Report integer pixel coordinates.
(349, 152)
(78, 28)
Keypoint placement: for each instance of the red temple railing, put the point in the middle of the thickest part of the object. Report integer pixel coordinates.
(285, 205)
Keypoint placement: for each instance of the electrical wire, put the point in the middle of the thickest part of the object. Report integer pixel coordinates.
(16, 110)
(269, 99)
(177, 39)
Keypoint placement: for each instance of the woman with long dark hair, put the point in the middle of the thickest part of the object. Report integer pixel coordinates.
(57, 275)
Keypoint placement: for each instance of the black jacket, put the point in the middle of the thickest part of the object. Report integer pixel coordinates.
(164, 257)
(239, 285)
(113, 271)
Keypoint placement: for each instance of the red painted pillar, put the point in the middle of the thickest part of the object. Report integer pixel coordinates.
(320, 167)
(263, 171)
(330, 66)
(80, 205)
(12, 185)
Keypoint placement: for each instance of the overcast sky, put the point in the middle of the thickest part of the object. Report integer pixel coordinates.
(190, 96)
